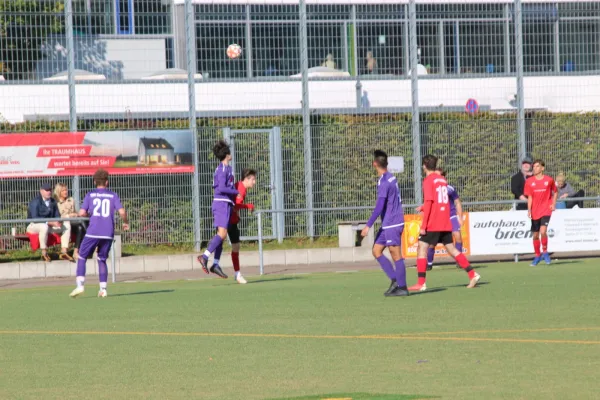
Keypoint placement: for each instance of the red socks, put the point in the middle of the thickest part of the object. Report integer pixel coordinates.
(461, 259)
(536, 247)
(545, 244)
(421, 270)
(235, 258)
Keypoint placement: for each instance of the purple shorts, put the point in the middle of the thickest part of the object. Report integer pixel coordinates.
(221, 211)
(89, 244)
(455, 224)
(390, 236)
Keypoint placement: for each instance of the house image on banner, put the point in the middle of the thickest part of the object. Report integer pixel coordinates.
(156, 151)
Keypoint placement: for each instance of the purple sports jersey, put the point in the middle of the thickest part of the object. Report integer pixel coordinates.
(101, 205)
(392, 214)
(224, 184)
(452, 197)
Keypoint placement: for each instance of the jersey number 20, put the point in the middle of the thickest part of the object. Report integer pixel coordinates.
(442, 192)
(101, 208)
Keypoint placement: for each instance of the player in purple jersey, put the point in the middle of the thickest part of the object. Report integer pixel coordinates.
(222, 207)
(456, 219)
(100, 206)
(389, 208)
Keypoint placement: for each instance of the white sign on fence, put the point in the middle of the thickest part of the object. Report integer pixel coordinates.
(509, 232)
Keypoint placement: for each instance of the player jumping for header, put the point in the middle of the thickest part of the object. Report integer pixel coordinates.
(248, 181)
(541, 195)
(436, 226)
(222, 207)
(389, 207)
(456, 219)
(100, 205)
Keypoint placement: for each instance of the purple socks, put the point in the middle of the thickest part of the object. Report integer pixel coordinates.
(430, 255)
(213, 245)
(400, 273)
(387, 267)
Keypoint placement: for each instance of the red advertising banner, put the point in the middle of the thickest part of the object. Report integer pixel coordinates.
(82, 153)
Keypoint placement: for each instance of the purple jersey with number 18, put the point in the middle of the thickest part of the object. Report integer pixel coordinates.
(101, 205)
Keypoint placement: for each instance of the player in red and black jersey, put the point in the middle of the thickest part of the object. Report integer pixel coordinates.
(248, 181)
(541, 195)
(436, 226)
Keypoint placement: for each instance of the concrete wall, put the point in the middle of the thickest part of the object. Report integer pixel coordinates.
(555, 93)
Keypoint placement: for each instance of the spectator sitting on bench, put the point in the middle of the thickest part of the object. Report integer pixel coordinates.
(565, 190)
(66, 208)
(44, 206)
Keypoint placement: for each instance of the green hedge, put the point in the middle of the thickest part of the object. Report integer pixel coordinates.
(480, 153)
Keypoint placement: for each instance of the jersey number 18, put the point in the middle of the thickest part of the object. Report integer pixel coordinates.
(442, 192)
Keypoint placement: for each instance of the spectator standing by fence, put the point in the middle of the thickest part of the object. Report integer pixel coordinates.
(44, 206)
(66, 208)
(517, 182)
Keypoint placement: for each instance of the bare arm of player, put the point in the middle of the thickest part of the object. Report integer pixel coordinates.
(123, 215)
(554, 198)
(459, 211)
(529, 203)
(82, 213)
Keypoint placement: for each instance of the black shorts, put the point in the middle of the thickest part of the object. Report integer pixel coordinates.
(536, 224)
(234, 233)
(433, 238)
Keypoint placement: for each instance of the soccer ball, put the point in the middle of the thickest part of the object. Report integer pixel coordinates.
(234, 51)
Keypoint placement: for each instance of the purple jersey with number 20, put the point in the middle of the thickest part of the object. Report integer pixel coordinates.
(101, 205)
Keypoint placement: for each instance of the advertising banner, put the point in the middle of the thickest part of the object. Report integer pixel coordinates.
(410, 237)
(509, 232)
(82, 153)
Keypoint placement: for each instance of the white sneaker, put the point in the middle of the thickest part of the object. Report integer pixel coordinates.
(473, 282)
(77, 291)
(102, 293)
(240, 279)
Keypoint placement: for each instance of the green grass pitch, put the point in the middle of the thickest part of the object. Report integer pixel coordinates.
(525, 333)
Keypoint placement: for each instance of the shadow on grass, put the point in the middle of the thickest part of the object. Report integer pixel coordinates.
(286, 278)
(360, 396)
(433, 290)
(465, 285)
(141, 293)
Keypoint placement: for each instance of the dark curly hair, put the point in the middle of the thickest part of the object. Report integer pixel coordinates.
(221, 150)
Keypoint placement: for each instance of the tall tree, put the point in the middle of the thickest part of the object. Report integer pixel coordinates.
(24, 25)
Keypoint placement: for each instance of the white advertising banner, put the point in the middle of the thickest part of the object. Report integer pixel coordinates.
(509, 232)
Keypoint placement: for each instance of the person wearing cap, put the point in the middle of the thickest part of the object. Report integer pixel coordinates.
(517, 182)
(44, 206)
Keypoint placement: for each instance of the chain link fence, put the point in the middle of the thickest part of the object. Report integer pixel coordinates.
(316, 87)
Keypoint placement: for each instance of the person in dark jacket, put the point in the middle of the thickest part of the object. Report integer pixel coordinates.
(44, 206)
(517, 182)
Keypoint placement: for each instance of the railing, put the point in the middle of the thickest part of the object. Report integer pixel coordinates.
(78, 219)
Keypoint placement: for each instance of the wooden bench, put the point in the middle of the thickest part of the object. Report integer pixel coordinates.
(349, 234)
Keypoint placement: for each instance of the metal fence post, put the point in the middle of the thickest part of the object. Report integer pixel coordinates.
(519, 71)
(306, 120)
(414, 86)
(191, 70)
(113, 262)
(71, 83)
(261, 266)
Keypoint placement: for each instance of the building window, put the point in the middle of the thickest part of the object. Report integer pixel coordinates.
(124, 16)
(212, 41)
(151, 17)
(482, 47)
(579, 46)
(275, 49)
